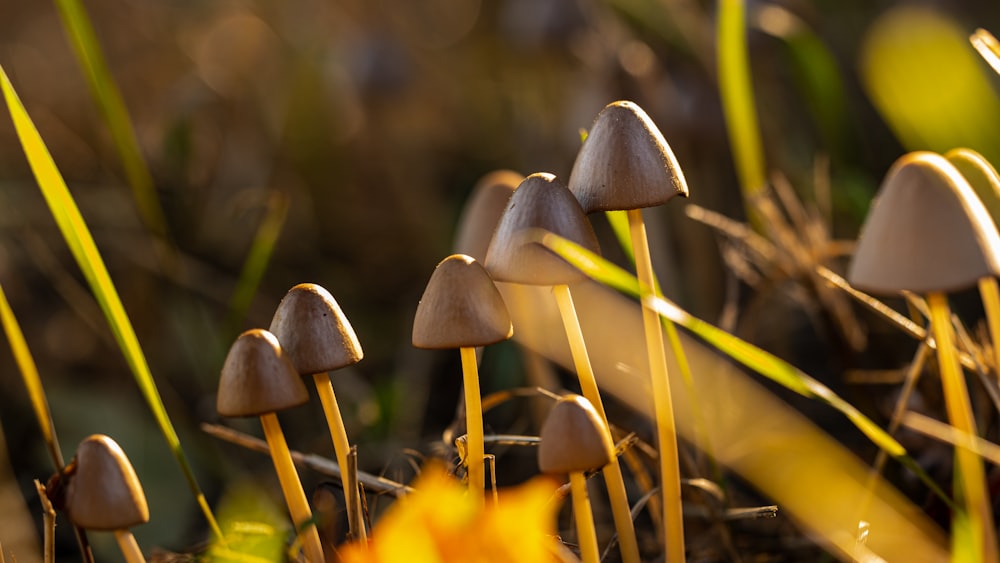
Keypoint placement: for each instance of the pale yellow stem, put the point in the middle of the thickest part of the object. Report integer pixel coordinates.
(130, 548)
(585, 531)
(620, 509)
(990, 294)
(666, 434)
(342, 447)
(291, 488)
(968, 465)
(473, 425)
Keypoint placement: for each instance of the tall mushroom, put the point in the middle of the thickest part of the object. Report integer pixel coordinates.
(103, 493)
(461, 308)
(927, 233)
(626, 164)
(258, 379)
(541, 201)
(317, 337)
(575, 439)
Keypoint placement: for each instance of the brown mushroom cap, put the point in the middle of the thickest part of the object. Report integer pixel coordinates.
(981, 176)
(103, 492)
(574, 438)
(257, 378)
(926, 231)
(482, 212)
(460, 308)
(625, 163)
(314, 333)
(540, 202)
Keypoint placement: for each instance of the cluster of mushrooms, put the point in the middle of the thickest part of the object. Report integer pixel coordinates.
(624, 164)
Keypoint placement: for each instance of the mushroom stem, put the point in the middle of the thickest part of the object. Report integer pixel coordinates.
(291, 488)
(666, 434)
(990, 294)
(969, 466)
(620, 509)
(585, 530)
(473, 424)
(342, 447)
(130, 548)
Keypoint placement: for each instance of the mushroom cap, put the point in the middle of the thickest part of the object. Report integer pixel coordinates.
(314, 333)
(981, 175)
(258, 378)
(574, 438)
(541, 201)
(103, 492)
(926, 231)
(625, 163)
(460, 308)
(482, 212)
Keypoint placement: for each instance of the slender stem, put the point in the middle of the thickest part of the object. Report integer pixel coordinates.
(291, 488)
(341, 446)
(990, 293)
(666, 433)
(969, 466)
(473, 424)
(49, 525)
(620, 509)
(585, 530)
(130, 549)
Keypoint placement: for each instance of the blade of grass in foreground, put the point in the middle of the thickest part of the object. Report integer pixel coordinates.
(81, 243)
(109, 100)
(760, 361)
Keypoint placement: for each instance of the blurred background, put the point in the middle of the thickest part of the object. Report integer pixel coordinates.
(357, 129)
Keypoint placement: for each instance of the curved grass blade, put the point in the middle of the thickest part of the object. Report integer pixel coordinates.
(257, 259)
(109, 101)
(736, 91)
(81, 243)
(760, 361)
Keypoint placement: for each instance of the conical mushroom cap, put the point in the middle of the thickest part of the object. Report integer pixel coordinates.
(625, 163)
(460, 308)
(926, 231)
(981, 176)
(482, 212)
(540, 202)
(257, 378)
(103, 492)
(574, 438)
(314, 333)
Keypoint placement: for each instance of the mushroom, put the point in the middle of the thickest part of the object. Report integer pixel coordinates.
(258, 379)
(317, 337)
(985, 181)
(541, 201)
(482, 212)
(575, 439)
(626, 164)
(103, 493)
(928, 233)
(461, 308)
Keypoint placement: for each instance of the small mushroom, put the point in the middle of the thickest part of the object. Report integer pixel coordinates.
(575, 439)
(103, 493)
(928, 233)
(626, 164)
(461, 308)
(317, 337)
(259, 380)
(544, 202)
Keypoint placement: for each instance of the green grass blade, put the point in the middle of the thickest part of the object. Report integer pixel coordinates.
(109, 100)
(81, 243)
(33, 383)
(257, 259)
(736, 91)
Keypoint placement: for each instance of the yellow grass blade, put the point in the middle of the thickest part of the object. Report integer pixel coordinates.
(81, 243)
(29, 373)
(109, 100)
